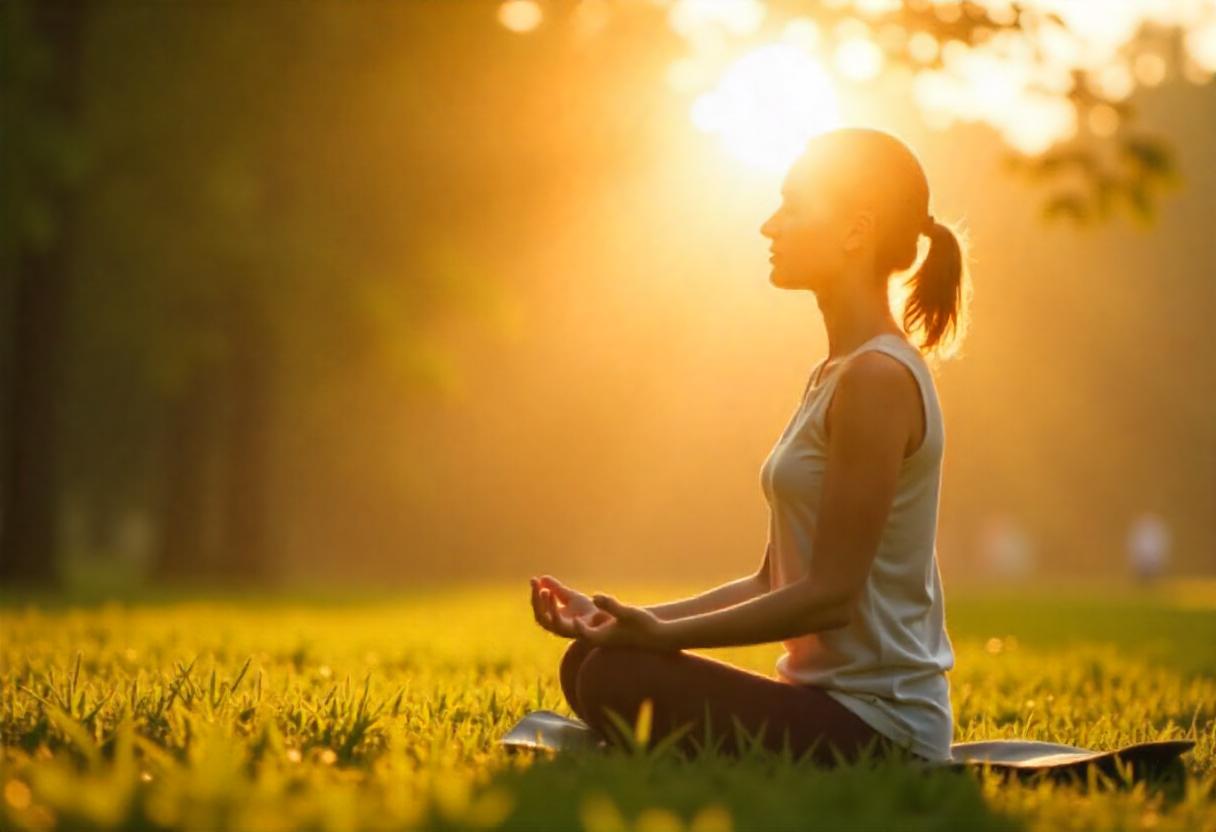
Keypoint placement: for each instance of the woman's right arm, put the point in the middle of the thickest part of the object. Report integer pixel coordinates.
(726, 595)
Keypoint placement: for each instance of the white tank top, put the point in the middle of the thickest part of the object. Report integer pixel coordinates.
(888, 665)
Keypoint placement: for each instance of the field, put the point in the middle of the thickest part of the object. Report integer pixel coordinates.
(381, 713)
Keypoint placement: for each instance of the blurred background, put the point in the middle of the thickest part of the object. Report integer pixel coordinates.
(390, 293)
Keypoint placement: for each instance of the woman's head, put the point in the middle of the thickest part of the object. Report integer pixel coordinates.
(854, 208)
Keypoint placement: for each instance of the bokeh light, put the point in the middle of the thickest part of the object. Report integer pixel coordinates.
(1017, 72)
(1201, 44)
(1149, 69)
(695, 18)
(859, 59)
(923, 47)
(998, 84)
(520, 15)
(1103, 120)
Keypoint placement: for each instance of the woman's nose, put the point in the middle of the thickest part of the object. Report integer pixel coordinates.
(766, 229)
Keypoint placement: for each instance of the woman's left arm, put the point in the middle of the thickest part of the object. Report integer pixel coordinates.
(873, 412)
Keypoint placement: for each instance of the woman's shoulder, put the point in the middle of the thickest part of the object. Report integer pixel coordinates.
(885, 377)
(883, 365)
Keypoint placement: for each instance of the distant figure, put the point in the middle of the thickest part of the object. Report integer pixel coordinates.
(849, 582)
(1148, 546)
(1005, 549)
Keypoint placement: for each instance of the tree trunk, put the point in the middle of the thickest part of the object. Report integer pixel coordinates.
(248, 555)
(186, 548)
(31, 478)
(27, 533)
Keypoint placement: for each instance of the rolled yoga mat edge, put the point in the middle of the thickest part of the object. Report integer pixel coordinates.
(545, 730)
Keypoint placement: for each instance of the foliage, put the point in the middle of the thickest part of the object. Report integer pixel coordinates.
(1050, 77)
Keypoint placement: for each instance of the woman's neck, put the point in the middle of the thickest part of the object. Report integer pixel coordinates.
(853, 320)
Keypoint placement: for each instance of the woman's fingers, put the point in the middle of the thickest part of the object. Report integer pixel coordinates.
(557, 608)
(582, 629)
(536, 608)
(613, 606)
(596, 633)
(598, 617)
(556, 587)
(547, 613)
(562, 624)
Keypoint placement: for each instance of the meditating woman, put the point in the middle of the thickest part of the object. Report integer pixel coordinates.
(849, 581)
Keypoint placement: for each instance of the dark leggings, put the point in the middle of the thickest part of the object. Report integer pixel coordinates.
(682, 685)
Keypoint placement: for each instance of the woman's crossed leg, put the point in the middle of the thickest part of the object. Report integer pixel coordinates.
(684, 687)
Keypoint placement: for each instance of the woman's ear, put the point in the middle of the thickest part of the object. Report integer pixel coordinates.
(860, 228)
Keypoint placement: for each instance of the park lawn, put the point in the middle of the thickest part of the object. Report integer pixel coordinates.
(382, 712)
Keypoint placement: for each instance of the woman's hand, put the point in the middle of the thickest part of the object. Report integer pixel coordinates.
(626, 625)
(556, 607)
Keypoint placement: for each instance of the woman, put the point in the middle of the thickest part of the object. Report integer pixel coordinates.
(849, 581)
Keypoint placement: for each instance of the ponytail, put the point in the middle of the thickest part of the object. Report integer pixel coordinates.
(937, 305)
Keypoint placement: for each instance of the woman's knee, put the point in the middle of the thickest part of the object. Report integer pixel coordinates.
(576, 653)
(571, 665)
(607, 666)
(615, 677)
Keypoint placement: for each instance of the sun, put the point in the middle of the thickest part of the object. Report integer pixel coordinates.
(767, 104)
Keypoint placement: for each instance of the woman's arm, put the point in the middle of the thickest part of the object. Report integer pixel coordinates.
(726, 595)
(870, 415)
(793, 610)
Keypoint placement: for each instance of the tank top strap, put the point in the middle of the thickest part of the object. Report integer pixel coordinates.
(899, 349)
(819, 395)
(816, 381)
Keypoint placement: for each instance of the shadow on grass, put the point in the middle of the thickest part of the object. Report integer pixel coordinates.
(617, 789)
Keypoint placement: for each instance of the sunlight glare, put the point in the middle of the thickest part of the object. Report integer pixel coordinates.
(877, 8)
(1201, 44)
(996, 83)
(923, 47)
(767, 104)
(1150, 69)
(692, 18)
(859, 59)
(1115, 82)
(803, 33)
(520, 15)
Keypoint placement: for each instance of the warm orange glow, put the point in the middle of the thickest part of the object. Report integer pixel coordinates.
(803, 33)
(1149, 69)
(520, 15)
(1020, 81)
(1103, 120)
(696, 19)
(859, 59)
(767, 104)
(996, 84)
(923, 47)
(1201, 44)
(874, 8)
(1115, 82)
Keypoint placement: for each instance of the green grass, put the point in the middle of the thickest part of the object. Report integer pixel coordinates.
(382, 713)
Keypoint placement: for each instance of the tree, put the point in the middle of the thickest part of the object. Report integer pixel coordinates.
(42, 166)
(1053, 77)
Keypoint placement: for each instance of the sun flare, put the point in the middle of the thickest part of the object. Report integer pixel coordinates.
(767, 104)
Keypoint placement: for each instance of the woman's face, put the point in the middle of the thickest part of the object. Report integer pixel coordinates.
(807, 238)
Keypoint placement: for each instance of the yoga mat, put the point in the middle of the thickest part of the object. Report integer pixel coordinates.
(550, 731)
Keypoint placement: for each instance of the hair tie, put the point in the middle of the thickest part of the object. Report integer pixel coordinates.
(929, 223)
